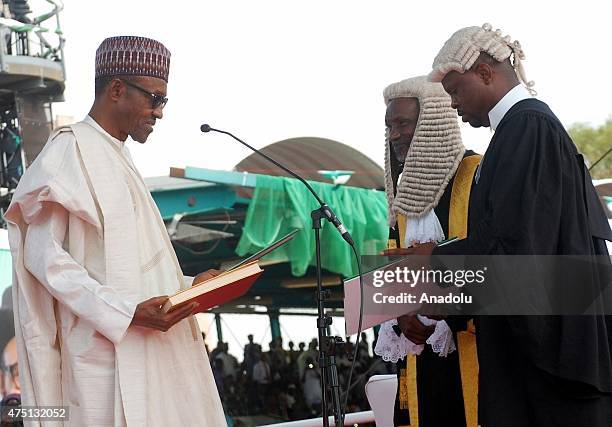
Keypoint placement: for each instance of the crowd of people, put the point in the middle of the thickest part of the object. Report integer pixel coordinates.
(285, 382)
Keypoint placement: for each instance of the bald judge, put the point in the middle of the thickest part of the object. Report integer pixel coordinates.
(93, 265)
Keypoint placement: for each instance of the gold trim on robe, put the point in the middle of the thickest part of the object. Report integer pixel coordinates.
(468, 359)
(466, 340)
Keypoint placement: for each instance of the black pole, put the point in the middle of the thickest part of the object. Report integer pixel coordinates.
(335, 385)
(600, 159)
(327, 348)
(321, 319)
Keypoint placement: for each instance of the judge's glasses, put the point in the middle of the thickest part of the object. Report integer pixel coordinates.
(157, 101)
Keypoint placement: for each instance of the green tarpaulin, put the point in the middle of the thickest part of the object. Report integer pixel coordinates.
(280, 205)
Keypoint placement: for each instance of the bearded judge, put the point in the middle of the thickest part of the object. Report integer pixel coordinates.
(93, 265)
(428, 180)
(533, 196)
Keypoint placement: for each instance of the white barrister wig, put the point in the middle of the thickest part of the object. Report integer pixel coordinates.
(434, 154)
(461, 51)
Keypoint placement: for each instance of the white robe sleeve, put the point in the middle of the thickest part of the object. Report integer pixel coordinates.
(68, 282)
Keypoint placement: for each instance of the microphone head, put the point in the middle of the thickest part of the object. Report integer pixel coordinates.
(205, 128)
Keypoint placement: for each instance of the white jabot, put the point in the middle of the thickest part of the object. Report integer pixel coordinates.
(392, 347)
(423, 230)
(514, 95)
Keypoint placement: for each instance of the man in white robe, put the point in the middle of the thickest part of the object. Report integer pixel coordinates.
(93, 265)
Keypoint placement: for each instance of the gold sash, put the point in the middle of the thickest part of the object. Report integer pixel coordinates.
(460, 197)
(468, 360)
(466, 340)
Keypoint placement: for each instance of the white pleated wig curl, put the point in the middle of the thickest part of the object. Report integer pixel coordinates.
(461, 51)
(434, 154)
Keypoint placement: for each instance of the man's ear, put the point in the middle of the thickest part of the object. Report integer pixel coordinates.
(116, 88)
(484, 72)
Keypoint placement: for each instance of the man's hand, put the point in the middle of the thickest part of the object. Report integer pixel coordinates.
(396, 252)
(416, 249)
(149, 314)
(413, 329)
(206, 275)
(421, 248)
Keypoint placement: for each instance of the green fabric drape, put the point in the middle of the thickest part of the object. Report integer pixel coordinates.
(280, 205)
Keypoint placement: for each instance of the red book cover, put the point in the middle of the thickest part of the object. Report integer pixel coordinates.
(226, 293)
(218, 296)
(227, 286)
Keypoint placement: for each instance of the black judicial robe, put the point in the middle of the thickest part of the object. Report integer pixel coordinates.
(439, 388)
(533, 195)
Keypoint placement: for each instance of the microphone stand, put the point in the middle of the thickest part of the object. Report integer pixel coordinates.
(328, 345)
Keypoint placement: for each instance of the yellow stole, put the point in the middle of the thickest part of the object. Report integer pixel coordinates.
(468, 360)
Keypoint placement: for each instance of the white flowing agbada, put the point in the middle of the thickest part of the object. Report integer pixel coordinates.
(88, 245)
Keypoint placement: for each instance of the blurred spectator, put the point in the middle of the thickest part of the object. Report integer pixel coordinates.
(291, 357)
(250, 351)
(261, 379)
(217, 370)
(311, 383)
(10, 373)
(311, 353)
(7, 298)
(10, 390)
(364, 348)
(278, 363)
(230, 364)
(218, 349)
(7, 326)
(261, 371)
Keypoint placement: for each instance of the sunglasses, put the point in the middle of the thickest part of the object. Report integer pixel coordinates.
(157, 101)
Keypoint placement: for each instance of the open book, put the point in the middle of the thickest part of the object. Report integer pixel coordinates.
(228, 285)
(217, 290)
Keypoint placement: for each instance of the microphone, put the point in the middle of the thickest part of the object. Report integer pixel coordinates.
(327, 211)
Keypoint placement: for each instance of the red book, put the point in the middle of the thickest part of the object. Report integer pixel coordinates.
(217, 290)
(227, 286)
